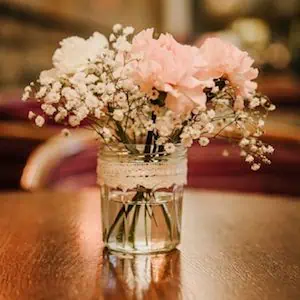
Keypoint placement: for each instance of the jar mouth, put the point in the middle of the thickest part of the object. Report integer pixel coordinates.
(139, 150)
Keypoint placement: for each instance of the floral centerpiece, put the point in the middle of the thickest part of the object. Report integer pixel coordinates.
(148, 98)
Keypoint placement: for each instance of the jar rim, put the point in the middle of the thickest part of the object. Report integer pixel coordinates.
(138, 149)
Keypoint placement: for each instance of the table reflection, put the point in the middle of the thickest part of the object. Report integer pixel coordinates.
(142, 276)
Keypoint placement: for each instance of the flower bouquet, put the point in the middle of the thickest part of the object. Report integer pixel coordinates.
(148, 98)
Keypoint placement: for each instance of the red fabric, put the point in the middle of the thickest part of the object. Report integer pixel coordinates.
(208, 169)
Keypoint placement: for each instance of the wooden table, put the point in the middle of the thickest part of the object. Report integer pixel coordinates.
(234, 247)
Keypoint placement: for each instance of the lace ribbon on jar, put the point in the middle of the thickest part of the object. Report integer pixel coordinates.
(150, 175)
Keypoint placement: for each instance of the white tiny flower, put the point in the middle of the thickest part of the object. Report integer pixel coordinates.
(254, 102)
(187, 142)
(255, 167)
(249, 158)
(28, 89)
(154, 94)
(39, 121)
(31, 115)
(81, 112)
(271, 107)
(203, 141)
(164, 131)
(225, 153)
(91, 101)
(106, 132)
(170, 148)
(215, 89)
(266, 161)
(69, 93)
(270, 149)
(128, 85)
(78, 78)
(25, 96)
(74, 121)
(99, 113)
(52, 97)
(196, 110)
(263, 101)
(149, 125)
(258, 133)
(253, 148)
(117, 28)
(48, 76)
(105, 99)
(244, 142)
(204, 117)
(91, 79)
(100, 88)
(103, 77)
(118, 115)
(41, 93)
(261, 123)
(160, 141)
(81, 88)
(110, 88)
(56, 87)
(209, 127)
(211, 113)
(120, 97)
(195, 134)
(128, 30)
(243, 153)
(48, 109)
(59, 117)
(122, 44)
(112, 38)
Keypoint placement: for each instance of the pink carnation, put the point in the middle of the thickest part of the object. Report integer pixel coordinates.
(224, 59)
(170, 67)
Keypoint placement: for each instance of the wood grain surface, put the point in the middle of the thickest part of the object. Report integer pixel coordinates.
(234, 247)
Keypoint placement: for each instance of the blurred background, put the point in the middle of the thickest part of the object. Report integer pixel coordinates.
(30, 31)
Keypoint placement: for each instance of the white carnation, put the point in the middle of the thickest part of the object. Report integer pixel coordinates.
(75, 52)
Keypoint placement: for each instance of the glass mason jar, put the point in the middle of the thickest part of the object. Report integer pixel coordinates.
(141, 197)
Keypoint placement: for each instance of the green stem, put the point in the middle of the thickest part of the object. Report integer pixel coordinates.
(131, 237)
(117, 219)
(167, 219)
(146, 225)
